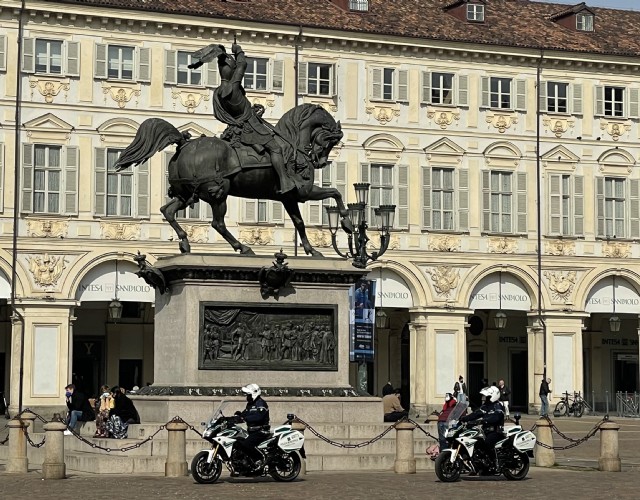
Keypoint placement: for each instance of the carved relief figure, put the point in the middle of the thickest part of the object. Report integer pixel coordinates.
(46, 269)
(561, 283)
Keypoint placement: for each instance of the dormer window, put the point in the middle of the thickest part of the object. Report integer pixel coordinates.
(584, 21)
(475, 12)
(359, 5)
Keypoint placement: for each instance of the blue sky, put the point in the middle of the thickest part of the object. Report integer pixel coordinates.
(613, 4)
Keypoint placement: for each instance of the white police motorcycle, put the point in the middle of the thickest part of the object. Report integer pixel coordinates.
(282, 451)
(462, 457)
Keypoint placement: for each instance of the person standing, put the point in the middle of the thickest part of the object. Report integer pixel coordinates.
(504, 397)
(460, 390)
(544, 396)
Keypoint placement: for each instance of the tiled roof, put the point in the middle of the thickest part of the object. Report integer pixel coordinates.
(516, 23)
(573, 9)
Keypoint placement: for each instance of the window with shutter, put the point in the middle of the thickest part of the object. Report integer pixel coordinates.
(442, 199)
(144, 64)
(100, 181)
(249, 210)
(71, 180)
(27, 178)
(402, 196)
(3, 52)
(376, 83)
(521, 201)
(500, 93)
(485, 100)
(615, 209)
(402, 91)
(442, 88)
(463, 90)
(426, 197)
(211, 73)
(141, 190)
(520, 95)
(277, 76)
(319, 79)
(28, 55)
(463, 200)
(634, 208)
(120, 62)
(557, 94)
(578, 205)
(303, 75)
(184, 74)
(614, 101)
(256, 77)
(555, 203)
(634, 112)
(600, 226)
(382, 190)
(501, 201)
(47, 179)
(73, 59)
(486, 200)
(1, 177)
(425, 97)
(576, 98)
(100, 69)
(120, 193)
(277, 212)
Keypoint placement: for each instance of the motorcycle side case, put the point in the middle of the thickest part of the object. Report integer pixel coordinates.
(524, 441)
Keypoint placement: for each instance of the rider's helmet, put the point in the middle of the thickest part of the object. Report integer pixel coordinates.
(252, 390)
(491, 394)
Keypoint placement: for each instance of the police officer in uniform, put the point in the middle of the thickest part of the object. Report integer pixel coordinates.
(256, 415)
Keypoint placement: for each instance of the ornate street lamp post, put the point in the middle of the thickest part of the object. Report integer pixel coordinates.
(358, 239)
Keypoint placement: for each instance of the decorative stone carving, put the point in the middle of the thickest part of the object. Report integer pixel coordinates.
(445, 279)
(443, 117)
(46, 269)
(560, 247)
(319, 237)
(501, 121)
(558, 125)
(561, 283)
(47, 228)
(120, 231)
(121, 93)
(197, 233)
(445, 243)
(503, 245)
(260, 337)
(189, 98)
(615, 128)
(616, 250)
(384, 114)
(256, 236)
(49, 88)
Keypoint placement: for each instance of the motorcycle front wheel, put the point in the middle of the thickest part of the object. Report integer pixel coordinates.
(446, 471)
(286, 467)
(203, 472)
(517, 468)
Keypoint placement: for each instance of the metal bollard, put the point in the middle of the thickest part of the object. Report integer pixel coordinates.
(53, 466)
(609, 450)
(405, 462)
(544, 457)
(606, 400)
(176, 464)
(17, 461)
(297, 426)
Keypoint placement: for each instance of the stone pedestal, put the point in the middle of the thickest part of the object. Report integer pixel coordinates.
(176, 464)
(217, 329)
(53, 466)
(609, 450)
(545, 457)
(17, 461)
(405, 462)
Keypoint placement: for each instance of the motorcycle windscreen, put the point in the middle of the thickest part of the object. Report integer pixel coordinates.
(218, 412)
(458, 410)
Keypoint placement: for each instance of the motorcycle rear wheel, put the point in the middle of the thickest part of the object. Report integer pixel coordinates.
(445, 470)
(286, 467)
(203, 472)
(520, 472)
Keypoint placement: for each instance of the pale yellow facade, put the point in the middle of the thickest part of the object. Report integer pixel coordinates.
(470, 161)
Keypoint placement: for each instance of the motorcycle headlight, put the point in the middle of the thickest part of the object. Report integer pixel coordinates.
(207, 433)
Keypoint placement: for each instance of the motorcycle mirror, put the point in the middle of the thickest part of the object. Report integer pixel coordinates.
(290, 417)
(203, 424)
(517, 417)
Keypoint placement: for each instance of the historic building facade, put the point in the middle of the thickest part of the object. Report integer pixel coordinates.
(440, 116)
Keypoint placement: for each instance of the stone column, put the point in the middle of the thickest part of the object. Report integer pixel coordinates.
(53, 466)
(544, 456)
(609, 451)
(418, 368)
(176, 464)
(297, 426)
(16, 352)
(405, 462)
(535, 348)
(17, 461)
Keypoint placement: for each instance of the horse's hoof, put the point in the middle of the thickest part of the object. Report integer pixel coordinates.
(347, 225)
(184, 246)
(246, 251)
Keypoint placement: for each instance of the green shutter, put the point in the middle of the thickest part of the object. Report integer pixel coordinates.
(600, 229)
(599, 100)
(100, 181)
(277, 76)
(426, 197)
(28, 55)
(303, 75)
(73, 59)
(27, 178)
(3, 52)
(376, 84)
(170, 67)
(144, 64)
(403, 86)
(576, 98)
(142, 186)
(403, 196)
(486, 101)
(520, 98)
(542, 96)
(578, 205)
(463, 199)
(426, 87)
(463, 90)
(100, 70)
(486, 200)
(71, 171)
(521, 195)
(634, 208)
(555, 204)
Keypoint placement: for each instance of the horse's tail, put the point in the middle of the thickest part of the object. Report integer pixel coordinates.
(154, 135)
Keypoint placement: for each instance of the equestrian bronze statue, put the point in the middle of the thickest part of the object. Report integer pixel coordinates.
(251, 159)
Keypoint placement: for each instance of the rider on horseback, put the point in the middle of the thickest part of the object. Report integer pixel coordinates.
(231, 106)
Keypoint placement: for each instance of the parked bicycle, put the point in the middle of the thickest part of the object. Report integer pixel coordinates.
(570, 406)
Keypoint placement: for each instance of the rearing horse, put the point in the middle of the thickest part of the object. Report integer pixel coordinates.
(210, 169)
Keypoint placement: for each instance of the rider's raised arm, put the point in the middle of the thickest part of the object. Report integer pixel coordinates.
(241, 64)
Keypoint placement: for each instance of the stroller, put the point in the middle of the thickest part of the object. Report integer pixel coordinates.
(4, 408)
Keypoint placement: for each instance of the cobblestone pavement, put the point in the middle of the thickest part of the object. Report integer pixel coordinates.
(540, 484)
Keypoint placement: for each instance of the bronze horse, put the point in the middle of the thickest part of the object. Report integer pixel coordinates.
(210, 169)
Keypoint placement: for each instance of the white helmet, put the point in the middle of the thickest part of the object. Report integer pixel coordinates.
(253, 390)
(493, 393)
